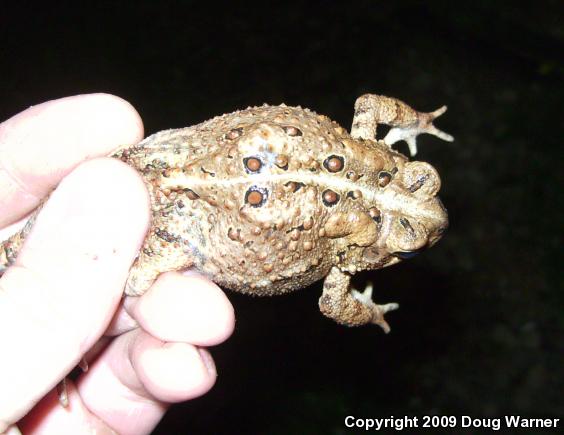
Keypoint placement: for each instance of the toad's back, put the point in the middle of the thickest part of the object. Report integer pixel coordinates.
(248, 193)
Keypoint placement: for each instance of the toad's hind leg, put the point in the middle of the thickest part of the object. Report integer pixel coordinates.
(407, 123)
(162, 251)
(350, 307)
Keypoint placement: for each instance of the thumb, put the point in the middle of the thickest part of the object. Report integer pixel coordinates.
(59, 296)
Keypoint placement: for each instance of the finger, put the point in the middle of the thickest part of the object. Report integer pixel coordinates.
(50, 417)
(42, 144)
(129, 385)
(184, 308)
(58, 298)
(127, 388)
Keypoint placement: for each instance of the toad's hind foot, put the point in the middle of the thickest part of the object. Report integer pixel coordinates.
(163, 251)
(63, 387)
(62, 393)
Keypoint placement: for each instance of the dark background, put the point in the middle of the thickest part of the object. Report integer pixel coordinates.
(480, 329)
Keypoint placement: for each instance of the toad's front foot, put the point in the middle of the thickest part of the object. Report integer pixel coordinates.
(406, 122)
(350, 307)
(424, 124)
(378, 311)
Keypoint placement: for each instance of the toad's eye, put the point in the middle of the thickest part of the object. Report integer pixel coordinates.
(405, 255)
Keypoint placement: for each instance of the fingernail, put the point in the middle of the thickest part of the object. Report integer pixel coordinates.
(208, 361)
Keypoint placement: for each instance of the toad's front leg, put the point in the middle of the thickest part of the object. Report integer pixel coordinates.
(350, 307)
(407, 123)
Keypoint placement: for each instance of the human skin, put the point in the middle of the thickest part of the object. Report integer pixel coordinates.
(62, 299)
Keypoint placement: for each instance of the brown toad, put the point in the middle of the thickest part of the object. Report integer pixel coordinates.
(269, 199)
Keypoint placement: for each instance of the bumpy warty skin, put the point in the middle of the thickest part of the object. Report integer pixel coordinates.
(270, 199)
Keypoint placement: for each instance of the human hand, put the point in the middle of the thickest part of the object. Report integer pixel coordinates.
(62, 297)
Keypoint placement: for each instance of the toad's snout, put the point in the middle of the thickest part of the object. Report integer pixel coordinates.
(409, 233)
